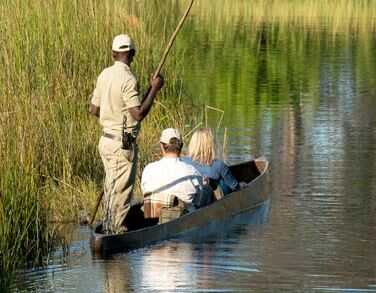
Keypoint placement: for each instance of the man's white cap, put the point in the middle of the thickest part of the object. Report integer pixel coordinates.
(169, 133)
(122, 43)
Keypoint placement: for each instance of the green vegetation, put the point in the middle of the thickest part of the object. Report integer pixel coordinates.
(346, 16)
(273, 52)
(23, 227)
(51, 54)
(52, 51)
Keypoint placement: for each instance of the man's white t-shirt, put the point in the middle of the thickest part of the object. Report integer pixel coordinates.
(171, 176)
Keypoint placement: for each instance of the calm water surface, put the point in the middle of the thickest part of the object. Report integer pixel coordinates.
(306, 99)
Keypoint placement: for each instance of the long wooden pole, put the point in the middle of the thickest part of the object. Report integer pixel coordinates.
(172, 39)
(156, 73)
(99, 199)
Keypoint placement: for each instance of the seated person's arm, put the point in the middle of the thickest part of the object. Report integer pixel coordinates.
(145, 181)
(228, 178)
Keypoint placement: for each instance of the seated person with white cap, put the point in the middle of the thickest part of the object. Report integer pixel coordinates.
(169, 177)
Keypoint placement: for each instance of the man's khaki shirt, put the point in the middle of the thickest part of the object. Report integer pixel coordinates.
(115, 92)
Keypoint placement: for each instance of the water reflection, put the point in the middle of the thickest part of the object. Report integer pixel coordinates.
(192, 262)
(117, 276)
(306, 99)
(196, 262)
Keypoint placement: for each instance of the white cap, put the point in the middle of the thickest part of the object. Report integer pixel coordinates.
(122, 43)
(169, 133)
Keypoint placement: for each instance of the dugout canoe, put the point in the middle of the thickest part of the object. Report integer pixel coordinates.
(254, 172)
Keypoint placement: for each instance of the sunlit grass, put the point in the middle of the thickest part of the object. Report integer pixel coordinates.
(345, 16)
(51, 53)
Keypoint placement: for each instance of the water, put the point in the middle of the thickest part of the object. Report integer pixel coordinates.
(304, 98)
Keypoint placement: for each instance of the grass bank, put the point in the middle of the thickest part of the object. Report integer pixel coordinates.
(51, 54)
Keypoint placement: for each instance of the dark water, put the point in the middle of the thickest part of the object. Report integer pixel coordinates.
(306, 99)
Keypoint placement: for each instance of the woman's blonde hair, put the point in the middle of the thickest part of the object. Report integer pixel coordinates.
(202, 146)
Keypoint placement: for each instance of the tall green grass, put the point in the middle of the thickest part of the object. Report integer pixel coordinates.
(346, 16)
(23, 229)
(51, 53)
(265, 53)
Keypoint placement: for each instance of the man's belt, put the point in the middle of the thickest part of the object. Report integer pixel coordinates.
(118, 138)
(111, 136)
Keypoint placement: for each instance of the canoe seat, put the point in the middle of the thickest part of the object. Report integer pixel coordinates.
(169, 214)
(153, 204)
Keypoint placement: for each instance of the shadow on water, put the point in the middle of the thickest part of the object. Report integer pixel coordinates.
(186, 261)
(305, 97)
(158, 267)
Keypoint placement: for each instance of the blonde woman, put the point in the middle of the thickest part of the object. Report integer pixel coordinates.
(201, 154)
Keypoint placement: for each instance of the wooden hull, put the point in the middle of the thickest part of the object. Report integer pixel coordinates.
(250, 198)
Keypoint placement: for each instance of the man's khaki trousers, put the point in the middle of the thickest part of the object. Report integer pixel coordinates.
(120, 167)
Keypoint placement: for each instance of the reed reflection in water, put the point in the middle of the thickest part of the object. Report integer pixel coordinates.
(305, 97)
(193, 262)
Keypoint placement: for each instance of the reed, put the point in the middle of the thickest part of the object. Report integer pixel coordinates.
(51, 53)
(23, 229)
(345, 16)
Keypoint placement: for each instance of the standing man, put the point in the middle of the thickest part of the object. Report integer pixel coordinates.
(115, 101)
